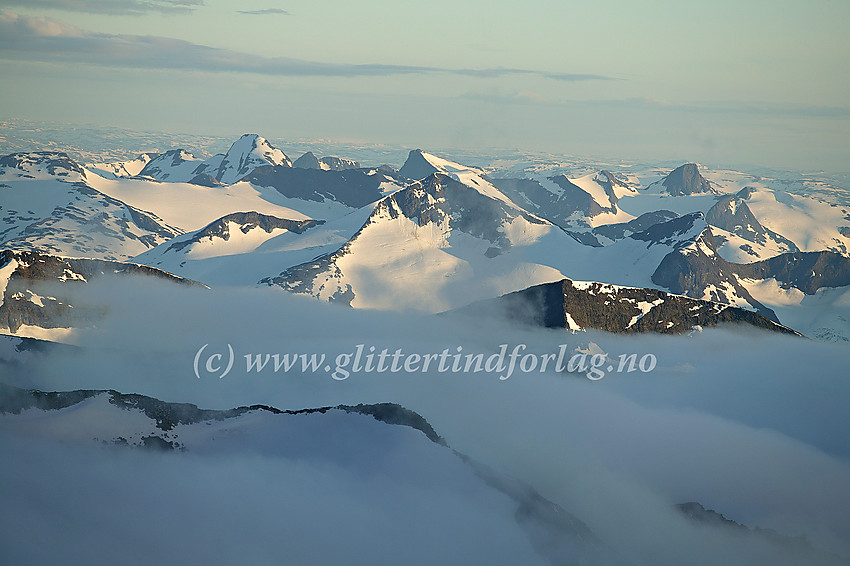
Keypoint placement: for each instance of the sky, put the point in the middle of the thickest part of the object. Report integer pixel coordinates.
(761, 82)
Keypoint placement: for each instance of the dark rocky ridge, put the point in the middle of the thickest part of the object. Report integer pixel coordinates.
(806, 271)
(168, 415)
(615, 309)
(352, 187)
(334, 163)
(205, 180)
(35, 270)
(310, 161)
(643, 222)
(694, 268)
(248, 221)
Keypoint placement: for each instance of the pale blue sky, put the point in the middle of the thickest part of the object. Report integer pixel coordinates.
(760, 82)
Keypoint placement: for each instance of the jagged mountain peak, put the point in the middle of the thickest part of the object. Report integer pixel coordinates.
(438, 232)
(247, 153)
(251, 142)
(442, 198)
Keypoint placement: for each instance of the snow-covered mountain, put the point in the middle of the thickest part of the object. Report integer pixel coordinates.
(575, 204)
(435, 245)
(742, 237)
(606, 234)
(47, 204)
(122, 169)
(420, 164)
(174, 165)
(364, 235)
(245, 154)
(219, 252)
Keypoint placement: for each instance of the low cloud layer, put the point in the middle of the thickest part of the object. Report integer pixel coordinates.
(739, 421)
(25, 38)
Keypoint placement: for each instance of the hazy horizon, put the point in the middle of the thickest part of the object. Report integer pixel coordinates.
(761, 83)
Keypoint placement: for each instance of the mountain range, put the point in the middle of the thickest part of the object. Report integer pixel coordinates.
(432, 236)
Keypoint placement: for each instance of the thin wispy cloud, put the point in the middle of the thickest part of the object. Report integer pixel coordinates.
(264, 12)
(25, 38)
(110, 7)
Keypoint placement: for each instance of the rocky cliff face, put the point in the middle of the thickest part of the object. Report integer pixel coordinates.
(806, 271)
(24, 275)
(732, 214)
(328, 163)
(351, 187)
(686, 180)
(578, 305)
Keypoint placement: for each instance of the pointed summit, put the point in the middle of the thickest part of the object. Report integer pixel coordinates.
(417, 165)
(420, 164)
(686, 180)
(307, 161)
(246, 153)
